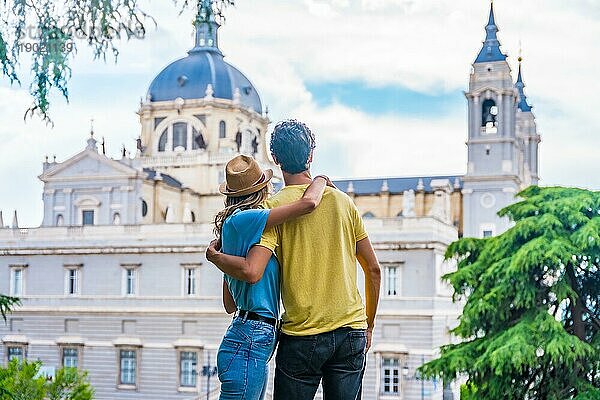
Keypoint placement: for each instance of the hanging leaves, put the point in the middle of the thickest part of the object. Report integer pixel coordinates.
(49, 31)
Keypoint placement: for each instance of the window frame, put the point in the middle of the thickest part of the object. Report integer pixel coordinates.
(19, 345)
(391, 368)
(161, 147)
(68, 346)
(185, 267)
(77, 269)
(186, 135)
(13, 269)
(87, 203)
(166, 128)
(125, 277)
(86, 211)
(487, 227)
(222, 129)
(136, 375)
(195, 386)
(397, 266)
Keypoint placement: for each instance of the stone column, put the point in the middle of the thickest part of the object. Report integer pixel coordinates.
(70, 216)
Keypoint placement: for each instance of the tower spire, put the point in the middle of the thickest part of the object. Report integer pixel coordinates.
(523, 104)
(491, 46)
(206, 27)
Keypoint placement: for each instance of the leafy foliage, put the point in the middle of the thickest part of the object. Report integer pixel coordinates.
(20, 381)
(7, 303)
(531, 318)
(50, 30)
(70, 384)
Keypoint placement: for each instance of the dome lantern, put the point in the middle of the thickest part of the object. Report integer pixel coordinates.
(206, 28)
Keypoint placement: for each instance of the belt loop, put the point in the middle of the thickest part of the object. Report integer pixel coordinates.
(245, 317)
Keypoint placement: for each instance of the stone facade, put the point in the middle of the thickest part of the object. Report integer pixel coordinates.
(159, 313)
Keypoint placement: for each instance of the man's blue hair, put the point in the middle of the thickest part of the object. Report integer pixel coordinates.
(291, 144)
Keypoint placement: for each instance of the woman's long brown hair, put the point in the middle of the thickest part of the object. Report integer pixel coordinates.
(248, 202)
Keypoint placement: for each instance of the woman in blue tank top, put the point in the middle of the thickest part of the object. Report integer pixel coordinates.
(251, 337)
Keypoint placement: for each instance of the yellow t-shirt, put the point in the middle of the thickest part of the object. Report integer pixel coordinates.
(317, 254)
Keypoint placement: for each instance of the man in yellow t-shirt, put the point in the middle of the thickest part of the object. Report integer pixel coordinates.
(326, 329)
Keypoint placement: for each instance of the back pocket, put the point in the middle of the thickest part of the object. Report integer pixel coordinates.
(295, 353)
(226, 355)
(358, 343)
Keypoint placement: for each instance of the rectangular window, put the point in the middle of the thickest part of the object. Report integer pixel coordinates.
(190, 281)
(180, 135)
(72, 281)
(487, 230)
(128, 367)
(17, 282)
(15, 352)
(130, 281)
(391, 281)
(390, 375)
(188, 362)
(87, 217)
(70, 357)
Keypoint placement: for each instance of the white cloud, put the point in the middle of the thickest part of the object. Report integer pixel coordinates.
(423, 45)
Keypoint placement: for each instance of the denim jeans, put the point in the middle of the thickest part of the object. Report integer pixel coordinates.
(242, 359)
(337, 357)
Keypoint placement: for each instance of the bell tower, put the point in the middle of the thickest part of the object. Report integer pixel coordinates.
(528, 133)
(495, 157)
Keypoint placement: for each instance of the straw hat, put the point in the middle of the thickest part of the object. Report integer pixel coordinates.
(244, 176)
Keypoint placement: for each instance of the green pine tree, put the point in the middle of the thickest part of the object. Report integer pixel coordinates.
(530, 323)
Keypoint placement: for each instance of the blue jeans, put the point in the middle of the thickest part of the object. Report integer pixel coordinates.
(337, 357)
(242, 359)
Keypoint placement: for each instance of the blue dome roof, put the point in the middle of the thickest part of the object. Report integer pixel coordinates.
(189, 77)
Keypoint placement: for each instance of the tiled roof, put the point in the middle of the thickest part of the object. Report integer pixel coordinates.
(395, 185)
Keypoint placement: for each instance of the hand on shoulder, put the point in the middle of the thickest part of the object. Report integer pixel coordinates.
(327, 180)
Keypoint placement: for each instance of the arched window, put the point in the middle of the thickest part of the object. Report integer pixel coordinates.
(60, 220)
(368, 215)
(489, 114)
(180, 135)
(144, 208)
(222, 132)
(198, 142)
(162, 142)
(117, 219)
(193, 216)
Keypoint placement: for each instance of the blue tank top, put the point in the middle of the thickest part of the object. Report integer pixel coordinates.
(241, 231)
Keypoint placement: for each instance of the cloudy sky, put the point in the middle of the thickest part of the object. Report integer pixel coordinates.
(379, 81)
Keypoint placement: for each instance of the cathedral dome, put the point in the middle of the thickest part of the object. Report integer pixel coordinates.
(190, 77)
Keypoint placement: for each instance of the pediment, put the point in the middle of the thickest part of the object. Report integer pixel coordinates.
(88, 164)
